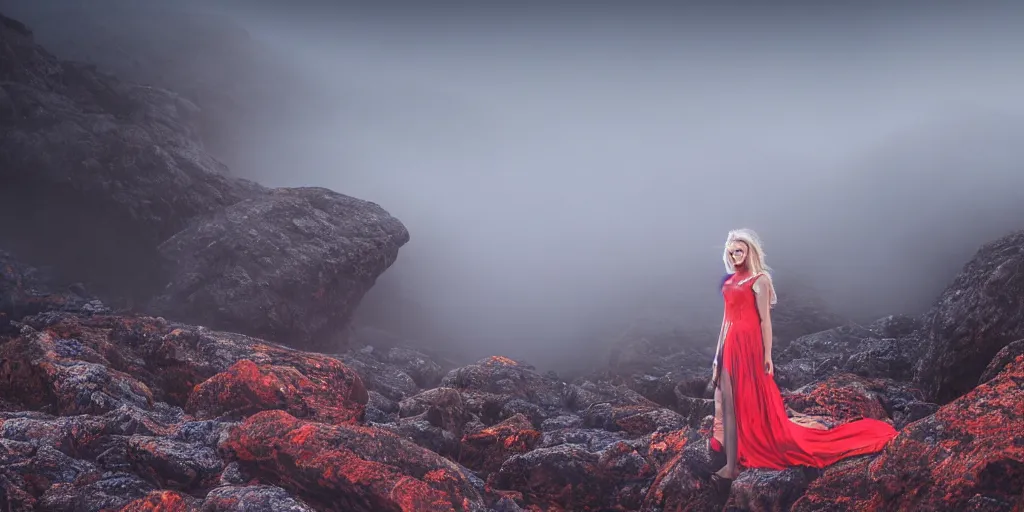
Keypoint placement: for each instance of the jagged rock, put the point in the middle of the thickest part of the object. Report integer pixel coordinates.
(966, 456)
(682, 483)
(328, 392)
(1002, 360)
(845, 397)
(289, 266)
(887, 348)
(487, 449)
(348, 467)
(977, 315)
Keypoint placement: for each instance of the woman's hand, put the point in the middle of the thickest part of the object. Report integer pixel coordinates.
(769, 366)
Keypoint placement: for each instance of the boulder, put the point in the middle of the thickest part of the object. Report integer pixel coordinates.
(977, 315)
(966, 456)
(289, 266)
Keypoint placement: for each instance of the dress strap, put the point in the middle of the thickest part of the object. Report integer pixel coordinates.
(750, 278)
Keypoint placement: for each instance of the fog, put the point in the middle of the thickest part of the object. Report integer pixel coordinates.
(563, 173)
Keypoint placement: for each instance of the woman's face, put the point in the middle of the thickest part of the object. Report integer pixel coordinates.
(738, 252)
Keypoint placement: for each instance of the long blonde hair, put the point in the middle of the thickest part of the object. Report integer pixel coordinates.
(755, 260)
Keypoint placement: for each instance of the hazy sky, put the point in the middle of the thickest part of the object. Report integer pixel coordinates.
(561, 167)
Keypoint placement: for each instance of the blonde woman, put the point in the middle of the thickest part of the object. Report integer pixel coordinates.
(756, 432)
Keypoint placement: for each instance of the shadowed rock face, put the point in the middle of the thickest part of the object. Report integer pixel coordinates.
(981, 312)
(89, 163)
(289, 266)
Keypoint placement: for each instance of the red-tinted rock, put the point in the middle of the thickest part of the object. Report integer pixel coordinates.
(487, 449)
(682, 483)
(66, 376)
(967, 456)
(348, 467)
(842, 398)
(163, 501)
(323, 390)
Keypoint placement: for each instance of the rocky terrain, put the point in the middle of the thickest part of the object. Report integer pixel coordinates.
(221, 384)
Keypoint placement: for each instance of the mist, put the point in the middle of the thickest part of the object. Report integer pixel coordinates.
(563, 173)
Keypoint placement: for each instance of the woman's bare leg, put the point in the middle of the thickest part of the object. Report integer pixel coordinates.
(731, 469)
(717, 427)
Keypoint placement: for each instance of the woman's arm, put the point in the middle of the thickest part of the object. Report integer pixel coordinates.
(764, 290)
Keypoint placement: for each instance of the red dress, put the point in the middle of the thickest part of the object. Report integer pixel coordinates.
(766, 437)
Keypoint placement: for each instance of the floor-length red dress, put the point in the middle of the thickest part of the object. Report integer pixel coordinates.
(766, 436)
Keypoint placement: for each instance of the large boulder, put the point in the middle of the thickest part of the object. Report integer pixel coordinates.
(981, 312)
(966, 456)
(290, 265)
(90, 164)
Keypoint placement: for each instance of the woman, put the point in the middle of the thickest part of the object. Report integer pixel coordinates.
(755, 429)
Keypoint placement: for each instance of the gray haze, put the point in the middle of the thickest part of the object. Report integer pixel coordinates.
(564, 172)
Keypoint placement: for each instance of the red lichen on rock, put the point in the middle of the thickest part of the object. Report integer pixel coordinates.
(65, 376)
(967, 456)
(488, 448)
(842, 397)
(163, 501)
(349, 467)
(665, 446)
(324, 390)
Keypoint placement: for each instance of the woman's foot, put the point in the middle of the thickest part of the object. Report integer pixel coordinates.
(721, 482)
(726, 473)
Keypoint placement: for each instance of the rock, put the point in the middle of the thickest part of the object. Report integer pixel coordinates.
(114, 164)
(888, 348)
(764, 490)
(329, 392)
(977, 315)
(26, 290)
(1002, 360)
(966, 456)
(348, 467)
(801, 311)
(487, 449)
(845, 397)
(290, 266)
(683, 482)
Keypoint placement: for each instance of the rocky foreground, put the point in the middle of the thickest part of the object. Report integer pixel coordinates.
(163, 382)
(105, 411)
